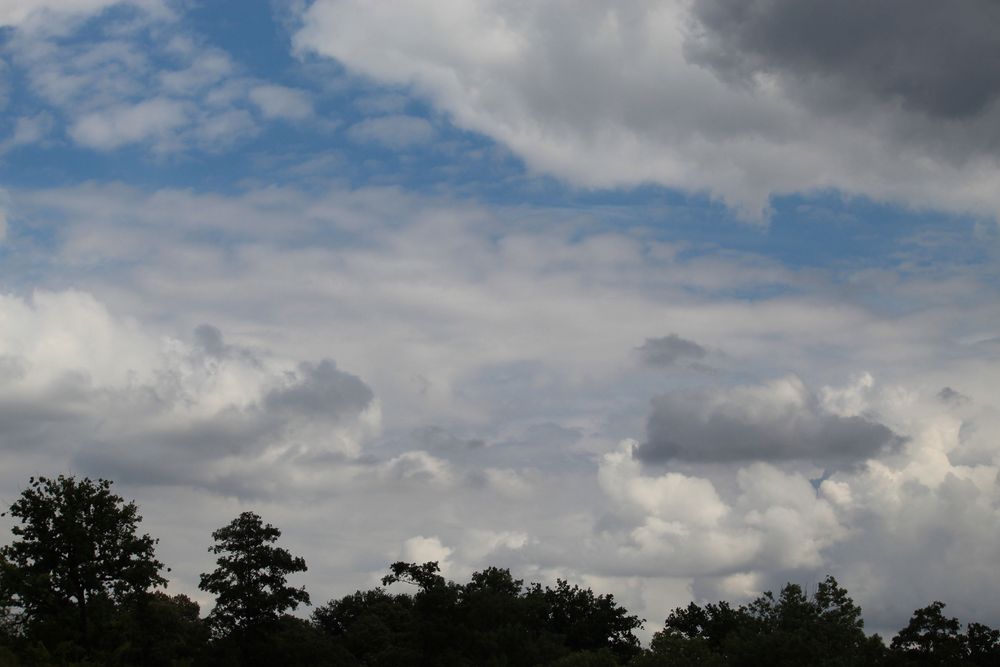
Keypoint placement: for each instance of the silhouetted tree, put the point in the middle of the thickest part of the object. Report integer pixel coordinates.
(931, 638)
(250, 581)
(76, 557)
(588, 622)
(982, 645)
(376, 627)
(791, 629)
(163, 630)
(491, 620)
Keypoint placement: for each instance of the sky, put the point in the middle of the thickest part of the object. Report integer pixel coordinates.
(680, 300)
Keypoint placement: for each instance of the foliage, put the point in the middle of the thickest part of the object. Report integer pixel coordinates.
(792, 629)
(76, 557)
(491, 620)
(163, 630)
(76, 589)
(588, 622)
(250, 580)
(931, 638)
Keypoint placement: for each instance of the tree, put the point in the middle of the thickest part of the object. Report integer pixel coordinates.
(75, 558)
(983, 644)
(587, 622)
(790, 629)
(163, 630)
(249, 582)
(931, 638)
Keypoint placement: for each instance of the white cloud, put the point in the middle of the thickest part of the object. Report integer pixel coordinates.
(28, 130)
(397, 131)
(671, 497)
(281, 102)
(15, 13)
(422, 549)
(126, 124)
(603, 94)
(142, 82)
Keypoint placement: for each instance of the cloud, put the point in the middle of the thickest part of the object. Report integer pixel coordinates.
(669, 350)
(435, 304)
(79, 384)
(28, 130)
(952, 397)
(422, 549)
(17, 13)
(602, 94)
(396, 131)
(676, 523)
(321, 391)
(778, 421)
(117, 126)
(897, 52)
(670, 497)
(142, 80)
(281, 102)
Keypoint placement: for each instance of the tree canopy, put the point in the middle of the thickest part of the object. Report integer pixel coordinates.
(76, 554)
(250, 582)
(77, 587)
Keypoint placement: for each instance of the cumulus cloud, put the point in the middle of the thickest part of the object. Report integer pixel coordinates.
(775, 421)
(670, 497)
(605, 94)
(81, 385)
(678, 523)
(422, 549)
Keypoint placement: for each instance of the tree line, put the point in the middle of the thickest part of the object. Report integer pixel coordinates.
(79, 585)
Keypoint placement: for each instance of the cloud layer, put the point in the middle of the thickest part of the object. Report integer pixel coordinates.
(701, 96)
(447, 421)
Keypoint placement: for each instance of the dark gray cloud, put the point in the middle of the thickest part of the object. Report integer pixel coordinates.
(209, 339)
(952, 397)
(702, 429)
(938, 58)
(321, 391)
(669, 350)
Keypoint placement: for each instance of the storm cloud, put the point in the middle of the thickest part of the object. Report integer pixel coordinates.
(779, 421)
(941, 59)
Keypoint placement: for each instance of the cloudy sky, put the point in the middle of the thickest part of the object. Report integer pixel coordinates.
(679, 300)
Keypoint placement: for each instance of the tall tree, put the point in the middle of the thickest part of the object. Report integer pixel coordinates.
(250, 581)
(75, 557)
